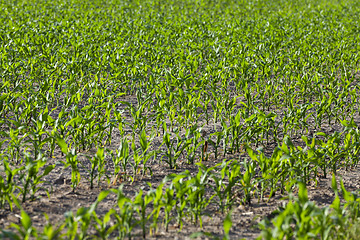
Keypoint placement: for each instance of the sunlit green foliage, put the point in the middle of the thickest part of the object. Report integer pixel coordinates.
(172, 82)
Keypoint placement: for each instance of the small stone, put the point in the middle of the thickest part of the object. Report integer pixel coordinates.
(241, 207)
(60, 180)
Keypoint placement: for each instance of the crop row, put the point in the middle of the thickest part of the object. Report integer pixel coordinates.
(183, 197)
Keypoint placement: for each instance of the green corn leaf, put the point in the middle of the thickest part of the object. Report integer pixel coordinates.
(62, 144)
(227, 224)
(25, 220)
(303, 196)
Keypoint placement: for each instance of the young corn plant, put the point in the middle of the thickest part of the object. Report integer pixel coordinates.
(24, 230)
(139, 119)
(271, 172)
(35, 137)
(174, 148)
(194, 141)
(15, 144)
(141, 203)
(168, 203)
(121, 161)
(181, 188)
(97, 166)
(157, 195)
(216, 143)
(145, 145)
(51, 231)
(125, 214)
(103, 226)
(197, 200)
(8, 184)
(247, 181)
(31, 177)
(223, 191)
(141, 155)
(71, 160)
